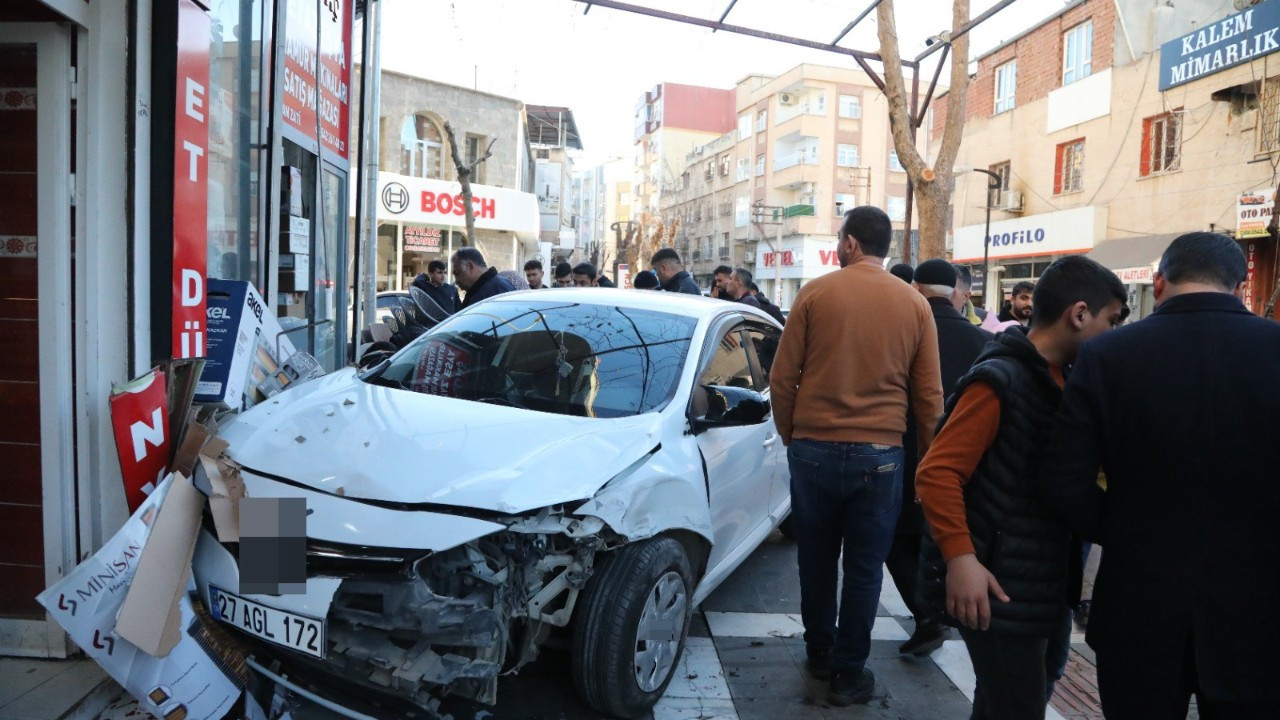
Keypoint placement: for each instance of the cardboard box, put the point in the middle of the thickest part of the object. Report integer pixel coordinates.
(296, 238)
(243, 335)
(295, 272)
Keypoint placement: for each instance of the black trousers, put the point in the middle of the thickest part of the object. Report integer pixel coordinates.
(1130, 692)
(1011, 676)
(903, 564)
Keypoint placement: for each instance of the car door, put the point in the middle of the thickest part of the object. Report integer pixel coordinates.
(738, 484)
(763, 345)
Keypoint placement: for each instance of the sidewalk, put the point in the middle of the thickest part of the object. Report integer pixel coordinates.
(53, 689)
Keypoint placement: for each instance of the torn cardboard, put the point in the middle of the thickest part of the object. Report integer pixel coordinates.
(161, 578)
(226, 488)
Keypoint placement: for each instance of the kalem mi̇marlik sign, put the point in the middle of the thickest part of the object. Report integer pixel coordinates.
(1222, 44)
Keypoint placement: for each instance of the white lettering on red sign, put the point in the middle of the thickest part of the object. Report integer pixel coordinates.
(190, 182)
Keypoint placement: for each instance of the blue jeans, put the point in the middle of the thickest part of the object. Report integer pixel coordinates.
(843, 496)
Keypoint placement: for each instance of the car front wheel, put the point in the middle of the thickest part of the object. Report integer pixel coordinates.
(630, 627)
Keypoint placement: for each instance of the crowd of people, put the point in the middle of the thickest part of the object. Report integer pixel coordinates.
(979, 454)
(977, 467)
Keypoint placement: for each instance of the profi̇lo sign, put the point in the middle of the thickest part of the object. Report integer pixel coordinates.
(1235, 39)
(190, 182)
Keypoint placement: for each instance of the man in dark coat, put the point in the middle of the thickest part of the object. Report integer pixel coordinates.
(1180, 412)
(432, 283)
(476, 277)
(767, 306)
(959, 343)
(671, 273)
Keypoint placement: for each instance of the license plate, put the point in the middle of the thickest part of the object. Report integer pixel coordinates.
(296, 632)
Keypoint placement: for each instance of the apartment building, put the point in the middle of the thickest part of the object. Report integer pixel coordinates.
(769, 195)
(554, 137)
(1113, 127)
(670, 121)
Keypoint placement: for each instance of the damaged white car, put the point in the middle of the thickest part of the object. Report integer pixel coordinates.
(583, 465)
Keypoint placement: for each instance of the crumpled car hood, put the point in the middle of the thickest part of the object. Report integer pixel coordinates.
(379, 443)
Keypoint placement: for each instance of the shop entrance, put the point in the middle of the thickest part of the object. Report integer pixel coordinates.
(37, 498)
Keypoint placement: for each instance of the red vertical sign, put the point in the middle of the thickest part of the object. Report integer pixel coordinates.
(140, 421)
(303, 95)
(190, 181)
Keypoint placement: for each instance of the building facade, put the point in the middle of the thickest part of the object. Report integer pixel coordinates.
(553, 135)
(147, 147)
(1104, 144)
(420, 214)
(670, 121)
(770, 194)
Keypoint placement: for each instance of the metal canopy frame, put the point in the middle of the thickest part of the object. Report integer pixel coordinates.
(916, 110)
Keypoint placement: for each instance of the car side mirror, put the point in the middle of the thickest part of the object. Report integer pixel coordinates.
(729, 406)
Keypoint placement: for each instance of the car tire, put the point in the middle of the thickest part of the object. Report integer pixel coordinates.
(641, 589)
(788, 527)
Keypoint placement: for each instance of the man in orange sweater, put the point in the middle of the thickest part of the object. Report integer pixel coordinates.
(979, 488)
(855, 341)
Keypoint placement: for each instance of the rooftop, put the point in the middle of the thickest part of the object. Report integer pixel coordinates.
(552, 125)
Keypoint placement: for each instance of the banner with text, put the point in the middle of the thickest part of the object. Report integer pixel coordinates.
(1218, 45)
(191, 182)
(303, 95)
(1253, 213)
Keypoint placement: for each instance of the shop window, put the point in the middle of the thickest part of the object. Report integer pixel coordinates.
(1161, 144)
(1068, 173)
(1006, 85)
(421, 147)
(1077, 53)
(1005, 171)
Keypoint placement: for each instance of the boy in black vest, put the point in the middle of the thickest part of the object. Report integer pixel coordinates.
(978, 488)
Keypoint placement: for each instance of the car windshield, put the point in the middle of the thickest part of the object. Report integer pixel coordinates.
(585, 360)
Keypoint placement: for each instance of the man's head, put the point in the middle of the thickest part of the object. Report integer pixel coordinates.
(903, 272)
(584, 275)
(564, 275)
(1200, 262)
(533, 274)
(436, 270)
(754, 288)
(645, 280)
(739, 283)
(866, 232)
(1022, 300)
(1079, 299)
(468, 265)
(935, 278)
(666, 264)
(722, 274)
(964, 287)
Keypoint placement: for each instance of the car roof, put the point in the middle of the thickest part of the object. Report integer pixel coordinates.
(681, 303)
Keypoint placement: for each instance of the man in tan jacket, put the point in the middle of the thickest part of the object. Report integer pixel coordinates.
(857, 342)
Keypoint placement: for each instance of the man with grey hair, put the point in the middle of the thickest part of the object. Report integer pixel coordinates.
(475, 276)
(1179, 410)
(738, 288)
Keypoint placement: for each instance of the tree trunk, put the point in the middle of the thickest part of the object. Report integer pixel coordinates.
(464, 179)
(933, 185)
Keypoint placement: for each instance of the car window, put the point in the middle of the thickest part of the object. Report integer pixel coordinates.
(728, 366)
(571, 359)
(763, 347)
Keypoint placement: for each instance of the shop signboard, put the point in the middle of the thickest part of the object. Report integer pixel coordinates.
(1253, 213)
(140, 423)
(1057, 233)
(1142, 275)
(1221, 44)
(422, 239)
(1251, 276)
(191, 182)
(426, 201)
(330, 94)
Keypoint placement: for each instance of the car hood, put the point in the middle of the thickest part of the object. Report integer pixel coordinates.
(344, 436)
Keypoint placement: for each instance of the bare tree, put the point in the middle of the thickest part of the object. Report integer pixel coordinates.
(933, 185)
(465, 171)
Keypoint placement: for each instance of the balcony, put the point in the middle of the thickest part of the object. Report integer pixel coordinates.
(802, 156)
(801, 125)
(793, 176)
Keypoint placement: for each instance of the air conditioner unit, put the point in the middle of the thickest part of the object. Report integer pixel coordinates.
(786, 99)
(1011, 201)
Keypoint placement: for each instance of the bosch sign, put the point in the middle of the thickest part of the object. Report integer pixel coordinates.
(428, 201)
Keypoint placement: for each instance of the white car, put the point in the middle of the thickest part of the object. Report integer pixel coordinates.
(586, 463)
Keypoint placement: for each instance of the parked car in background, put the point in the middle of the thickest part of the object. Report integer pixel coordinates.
(582, 463)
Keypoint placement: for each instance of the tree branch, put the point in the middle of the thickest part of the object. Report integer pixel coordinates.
(465, 172)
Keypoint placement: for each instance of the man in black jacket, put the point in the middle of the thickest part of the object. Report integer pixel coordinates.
(1180, 412)
(671, 273)
(1007, 573)
(432, 283)
(959, 343)
(476, 277)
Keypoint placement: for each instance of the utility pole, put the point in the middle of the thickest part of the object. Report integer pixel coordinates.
(994, 182)
(759, 213)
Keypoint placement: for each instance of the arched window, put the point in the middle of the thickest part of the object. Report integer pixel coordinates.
(421, 148)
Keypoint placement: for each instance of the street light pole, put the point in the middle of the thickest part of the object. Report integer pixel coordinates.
(993, 183)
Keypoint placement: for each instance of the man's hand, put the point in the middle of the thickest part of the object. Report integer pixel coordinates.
(969, 585)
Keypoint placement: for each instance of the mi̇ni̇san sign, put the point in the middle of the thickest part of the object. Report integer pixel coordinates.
(1222, 44)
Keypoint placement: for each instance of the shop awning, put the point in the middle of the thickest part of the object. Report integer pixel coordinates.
(1133, 259)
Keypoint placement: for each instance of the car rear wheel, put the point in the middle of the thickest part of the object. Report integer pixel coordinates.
(631, 625)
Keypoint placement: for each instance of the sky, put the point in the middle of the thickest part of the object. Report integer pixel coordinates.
(546, 52)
